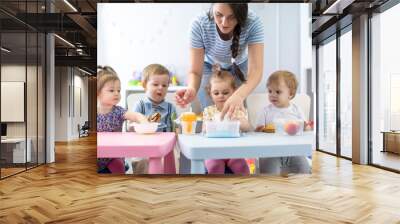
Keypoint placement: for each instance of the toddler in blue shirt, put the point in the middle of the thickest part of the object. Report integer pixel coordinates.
(155, 81)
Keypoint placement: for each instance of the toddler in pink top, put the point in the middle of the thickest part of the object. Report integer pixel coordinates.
(221, 86)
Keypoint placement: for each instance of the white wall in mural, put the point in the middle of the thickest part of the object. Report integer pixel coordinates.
(131, 36)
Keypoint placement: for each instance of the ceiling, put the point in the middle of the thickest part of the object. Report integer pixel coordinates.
(331, 16)
(76, 25)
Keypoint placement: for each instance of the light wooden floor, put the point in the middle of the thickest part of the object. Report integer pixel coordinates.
(9, 171)
(70, 191)
(387, 159)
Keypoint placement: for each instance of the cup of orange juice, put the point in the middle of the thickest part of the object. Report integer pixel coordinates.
(188, 123)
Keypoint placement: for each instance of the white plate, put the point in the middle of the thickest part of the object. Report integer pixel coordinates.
(146, 128)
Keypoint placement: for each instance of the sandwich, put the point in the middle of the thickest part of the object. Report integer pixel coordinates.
(269, 128)
(156, 117)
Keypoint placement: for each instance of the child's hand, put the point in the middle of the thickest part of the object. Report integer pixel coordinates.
(242, 120)
(308, 125)
(184, 96)
(239, 115)
(136, 117)
(141, 118)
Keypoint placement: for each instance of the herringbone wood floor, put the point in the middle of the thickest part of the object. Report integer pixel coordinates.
(70, 191)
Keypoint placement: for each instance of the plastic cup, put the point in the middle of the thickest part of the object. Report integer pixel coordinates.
(289, 126)
(279, 126)
(189, 127)
(188, 123)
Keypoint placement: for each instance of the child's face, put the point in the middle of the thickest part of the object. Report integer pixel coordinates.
(220, 91)
(110, 94)
(157, 87)
(279, 94)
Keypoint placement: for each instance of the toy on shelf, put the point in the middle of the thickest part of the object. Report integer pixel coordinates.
(174, 80)
(136, 79)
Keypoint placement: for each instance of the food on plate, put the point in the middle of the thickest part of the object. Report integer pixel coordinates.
(156, 117)
(269, 128)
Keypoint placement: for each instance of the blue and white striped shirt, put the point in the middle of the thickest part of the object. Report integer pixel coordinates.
(204, 34)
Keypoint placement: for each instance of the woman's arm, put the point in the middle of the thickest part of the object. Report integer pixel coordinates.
(254, 76)
(245, 125)
(196, 60)
(243, 117)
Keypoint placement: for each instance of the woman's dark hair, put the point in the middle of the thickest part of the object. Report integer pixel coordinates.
(240, 11)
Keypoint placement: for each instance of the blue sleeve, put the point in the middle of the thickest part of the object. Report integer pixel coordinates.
(256, 31)
(137, 107)
(196, 36)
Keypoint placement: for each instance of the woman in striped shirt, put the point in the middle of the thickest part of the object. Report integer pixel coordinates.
(233, 37)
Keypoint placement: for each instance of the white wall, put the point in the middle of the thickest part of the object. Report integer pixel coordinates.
(80, 83)
(61, 103)
(67, 80)
(17, 73)
(33, 126)
(131, 36)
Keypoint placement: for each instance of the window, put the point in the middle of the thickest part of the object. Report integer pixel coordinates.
(346, 94)
(327, 97)
(385, 87)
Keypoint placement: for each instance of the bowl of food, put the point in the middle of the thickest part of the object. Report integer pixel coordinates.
(289, 126)
(222, 129)
(146, 128)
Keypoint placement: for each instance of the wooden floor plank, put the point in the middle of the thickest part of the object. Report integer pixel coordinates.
(70, 191)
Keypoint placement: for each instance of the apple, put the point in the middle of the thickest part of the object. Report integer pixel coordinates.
(291, 128)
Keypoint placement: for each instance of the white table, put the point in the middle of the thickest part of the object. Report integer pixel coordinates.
(197, 147)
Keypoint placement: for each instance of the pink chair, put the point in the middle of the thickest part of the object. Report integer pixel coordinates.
(156, 147)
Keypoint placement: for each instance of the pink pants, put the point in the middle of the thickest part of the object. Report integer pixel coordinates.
(217, 166)
(116, 165)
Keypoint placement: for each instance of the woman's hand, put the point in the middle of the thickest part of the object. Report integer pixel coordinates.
(233, 103)
(185, 96)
